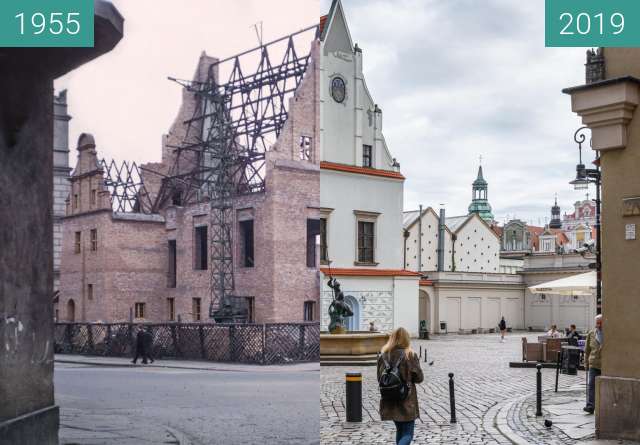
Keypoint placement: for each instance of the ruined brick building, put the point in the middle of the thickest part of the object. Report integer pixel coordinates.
(229, 217)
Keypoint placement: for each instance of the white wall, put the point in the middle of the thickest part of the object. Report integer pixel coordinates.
(477, 248)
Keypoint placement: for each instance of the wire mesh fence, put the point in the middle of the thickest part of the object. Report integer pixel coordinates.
(264, 344)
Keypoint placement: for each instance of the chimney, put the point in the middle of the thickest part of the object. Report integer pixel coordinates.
(441, 228)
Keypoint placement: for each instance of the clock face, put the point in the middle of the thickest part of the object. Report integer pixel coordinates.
(338, 89)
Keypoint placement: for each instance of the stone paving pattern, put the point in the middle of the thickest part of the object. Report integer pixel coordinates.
(487, 390)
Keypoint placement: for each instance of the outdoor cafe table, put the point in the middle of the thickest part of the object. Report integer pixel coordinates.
(567, 349)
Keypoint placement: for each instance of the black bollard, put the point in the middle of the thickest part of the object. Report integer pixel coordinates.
(539, 390)
(354, 396)
(425, 356)
(420, 352)
(452, 399)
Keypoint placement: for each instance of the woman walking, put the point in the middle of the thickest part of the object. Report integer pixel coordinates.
(399, 363)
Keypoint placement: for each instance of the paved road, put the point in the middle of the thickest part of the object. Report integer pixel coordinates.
(490, 397)
(124, 405)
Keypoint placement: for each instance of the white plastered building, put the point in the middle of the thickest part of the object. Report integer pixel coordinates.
(361, 193)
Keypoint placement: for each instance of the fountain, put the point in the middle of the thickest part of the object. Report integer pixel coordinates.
(340, 347)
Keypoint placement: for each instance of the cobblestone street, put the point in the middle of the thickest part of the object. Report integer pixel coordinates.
(495, 404)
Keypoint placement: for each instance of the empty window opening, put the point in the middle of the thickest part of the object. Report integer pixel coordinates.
(171, 271)
(94, 239)
(200, 248)
(171, 306)
(139, 310)
(197, 309)
(313, 232)
(309, 310)
(305, 148)
(246, 243)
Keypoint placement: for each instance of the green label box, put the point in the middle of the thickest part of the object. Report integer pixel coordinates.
(592, 23)
(46, 23)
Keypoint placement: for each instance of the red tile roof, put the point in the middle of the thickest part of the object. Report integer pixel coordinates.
(361, 170)
(347, 272)
(323, 21)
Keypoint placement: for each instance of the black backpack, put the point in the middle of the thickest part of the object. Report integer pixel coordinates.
(392, 387)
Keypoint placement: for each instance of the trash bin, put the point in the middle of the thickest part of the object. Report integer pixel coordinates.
(570, 360)
(443, 326)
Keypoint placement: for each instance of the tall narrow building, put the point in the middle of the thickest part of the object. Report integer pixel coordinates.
(480, 202)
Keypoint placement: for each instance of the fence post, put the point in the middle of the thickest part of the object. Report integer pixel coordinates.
(107, 349)
(90, 338)
(264, 343)
(452, 398)
(301, 356)
(539, 390)
(232, 343)
(68, 339)
(203, 353)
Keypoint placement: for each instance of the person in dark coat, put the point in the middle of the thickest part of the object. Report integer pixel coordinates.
(148, 344)
(503, 328)
(140, 347)
(402, 413)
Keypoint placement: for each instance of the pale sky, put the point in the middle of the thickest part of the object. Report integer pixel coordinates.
(457, 79)
(124, 98)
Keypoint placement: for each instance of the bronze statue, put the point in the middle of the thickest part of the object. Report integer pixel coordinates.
(338, 309)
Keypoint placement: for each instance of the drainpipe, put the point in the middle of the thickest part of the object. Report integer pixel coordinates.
(420, 240)
(453, 252)
(441, 229)
(405, 235)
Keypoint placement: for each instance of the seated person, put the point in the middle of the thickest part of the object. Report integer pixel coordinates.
(573, 333)
(553, 332)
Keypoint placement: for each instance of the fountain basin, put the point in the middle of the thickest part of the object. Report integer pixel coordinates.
(352, 348)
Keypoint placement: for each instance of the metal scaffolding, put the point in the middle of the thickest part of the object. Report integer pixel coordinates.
(224, 149)
(222, 153)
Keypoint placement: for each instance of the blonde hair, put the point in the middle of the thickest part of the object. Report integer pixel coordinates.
(399, 339)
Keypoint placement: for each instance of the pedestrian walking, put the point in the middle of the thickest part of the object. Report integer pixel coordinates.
(398, 373)
(140, 349)
(593, 362)
(503, 329)
(148, 344)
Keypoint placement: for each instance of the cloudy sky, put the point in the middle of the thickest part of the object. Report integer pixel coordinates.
(457, 79)
(124, 98)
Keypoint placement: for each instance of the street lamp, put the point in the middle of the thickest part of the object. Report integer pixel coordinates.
(584, 177)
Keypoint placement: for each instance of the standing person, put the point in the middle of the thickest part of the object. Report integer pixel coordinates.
(593, 362)
(148, 344)
(573, 333)
(553, 332)
(372, 326)
(140, 350)
(398, 360)
(503, 328)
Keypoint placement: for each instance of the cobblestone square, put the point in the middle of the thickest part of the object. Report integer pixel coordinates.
(495, 404)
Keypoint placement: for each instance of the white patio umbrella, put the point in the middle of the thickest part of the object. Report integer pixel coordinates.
(581, 284)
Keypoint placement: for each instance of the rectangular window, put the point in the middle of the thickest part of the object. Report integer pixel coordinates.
(309, 310)
(324, 250)
(75, 201)
(139, 310)
(171, 306)
(246, 238)
(313, 231)
(367, 156)
(171, 272)
(200, 248)
(94, 197)
(365, 241)
(305, 148)
(94, 239)
(90, 291)
(77, 243)
(251, 305)
(197, 309)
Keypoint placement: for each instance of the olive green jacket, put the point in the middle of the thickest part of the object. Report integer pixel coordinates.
(592, 351)
(408, 409)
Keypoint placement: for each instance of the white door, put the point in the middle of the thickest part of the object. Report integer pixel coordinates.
(453, 314)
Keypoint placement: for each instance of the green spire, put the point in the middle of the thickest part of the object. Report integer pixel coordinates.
(480, 203)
